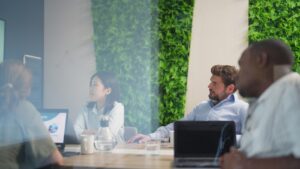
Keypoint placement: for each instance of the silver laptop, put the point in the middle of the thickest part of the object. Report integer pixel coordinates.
(55, 121)
(199, 144)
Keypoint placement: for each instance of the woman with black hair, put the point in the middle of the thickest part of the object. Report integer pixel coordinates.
(104, 96)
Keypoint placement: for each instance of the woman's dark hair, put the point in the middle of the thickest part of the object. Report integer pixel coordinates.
(109, 81)
(15, 84)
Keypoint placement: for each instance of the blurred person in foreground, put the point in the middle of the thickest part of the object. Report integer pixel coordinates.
(271, 135)
(223, 104)
(25, 141)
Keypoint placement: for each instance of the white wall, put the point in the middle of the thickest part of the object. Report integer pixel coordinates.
(69, 54)
(219, 35)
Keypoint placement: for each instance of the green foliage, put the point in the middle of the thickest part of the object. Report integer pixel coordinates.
(276, 19)
(124, 44)
(146, 44)
(175, 22)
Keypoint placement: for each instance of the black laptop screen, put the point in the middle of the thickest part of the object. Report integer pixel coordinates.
(203, 139)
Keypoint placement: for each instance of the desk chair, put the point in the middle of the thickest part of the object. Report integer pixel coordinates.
(129, 132)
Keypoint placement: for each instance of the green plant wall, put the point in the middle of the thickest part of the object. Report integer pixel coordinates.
(125, 44)
(276, 19)
(146, 44)
(175, 24)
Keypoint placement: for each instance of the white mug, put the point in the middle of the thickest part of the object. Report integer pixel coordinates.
(87, 143)
(172, 138)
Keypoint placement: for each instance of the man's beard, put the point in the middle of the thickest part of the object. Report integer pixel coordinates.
(215, 98)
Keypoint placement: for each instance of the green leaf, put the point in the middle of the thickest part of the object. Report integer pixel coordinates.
(276, 19)
(126, 34)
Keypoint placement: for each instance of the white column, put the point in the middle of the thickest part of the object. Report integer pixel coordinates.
(219, 35)
(69, 54)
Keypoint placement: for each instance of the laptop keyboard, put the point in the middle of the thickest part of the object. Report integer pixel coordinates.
(69, 153)
(196, 162)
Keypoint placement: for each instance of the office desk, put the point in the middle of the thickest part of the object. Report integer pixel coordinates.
(124, 156)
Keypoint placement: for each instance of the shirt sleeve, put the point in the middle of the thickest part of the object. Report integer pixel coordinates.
(79, 125)
(192, 115)
(291, 119)
(162, 132)
(116, 119)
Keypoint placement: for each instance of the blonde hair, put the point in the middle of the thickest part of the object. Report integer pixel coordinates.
(15, 84)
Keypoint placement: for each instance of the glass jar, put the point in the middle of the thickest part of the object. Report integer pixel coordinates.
(104, 140)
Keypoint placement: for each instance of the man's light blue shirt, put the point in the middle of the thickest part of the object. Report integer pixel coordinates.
(229, 109)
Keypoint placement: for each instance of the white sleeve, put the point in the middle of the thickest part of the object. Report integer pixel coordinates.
(162, 132)
(116, 118)
(292, 118)
(79, 125)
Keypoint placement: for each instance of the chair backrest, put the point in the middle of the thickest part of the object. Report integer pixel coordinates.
(129, 132)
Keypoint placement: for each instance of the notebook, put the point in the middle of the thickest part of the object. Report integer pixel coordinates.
(55, 121)
(199, 144)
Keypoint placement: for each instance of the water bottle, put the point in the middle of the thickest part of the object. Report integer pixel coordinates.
(104, 141)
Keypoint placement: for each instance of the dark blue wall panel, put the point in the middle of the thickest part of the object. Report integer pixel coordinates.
(24, 34)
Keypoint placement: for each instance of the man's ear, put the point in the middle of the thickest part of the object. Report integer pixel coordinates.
(230, 88)
(262, 59)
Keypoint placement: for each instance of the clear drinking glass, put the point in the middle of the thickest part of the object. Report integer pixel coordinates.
(152, 146)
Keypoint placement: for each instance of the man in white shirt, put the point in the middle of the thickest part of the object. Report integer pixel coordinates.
(222, 105)
(271, 137)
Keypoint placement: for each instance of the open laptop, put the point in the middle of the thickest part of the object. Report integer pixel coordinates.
(55, 121)
(199, 144)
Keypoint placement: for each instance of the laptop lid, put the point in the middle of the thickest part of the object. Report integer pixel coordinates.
(55, 121)
(207, 139)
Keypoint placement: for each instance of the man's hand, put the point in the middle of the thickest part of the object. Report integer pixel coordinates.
(139, 138)
(233, 160)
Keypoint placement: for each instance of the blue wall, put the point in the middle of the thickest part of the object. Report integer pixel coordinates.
(24, 27)
(24, 34)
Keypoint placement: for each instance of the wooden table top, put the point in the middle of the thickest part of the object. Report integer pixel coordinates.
(124, 156)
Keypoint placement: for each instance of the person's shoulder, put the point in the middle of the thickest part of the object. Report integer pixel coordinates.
(118, 105)
(202, 104)
(26, 103)
(239, 103)
(242, 103)
(238, 99)
(205, 101)
(291, 79)
(288, 87)
(288, 83)
(25, 110)
(25, 106)
(118, 109)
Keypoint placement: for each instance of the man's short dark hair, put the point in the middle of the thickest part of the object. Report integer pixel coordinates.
(226, 72)
(277, 50)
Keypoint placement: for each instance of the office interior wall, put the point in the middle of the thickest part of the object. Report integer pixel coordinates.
(24, 35)
(69, 54)
(24, 24)
(219, 35)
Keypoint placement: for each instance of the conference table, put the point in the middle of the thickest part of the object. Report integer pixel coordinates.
(131, 156)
